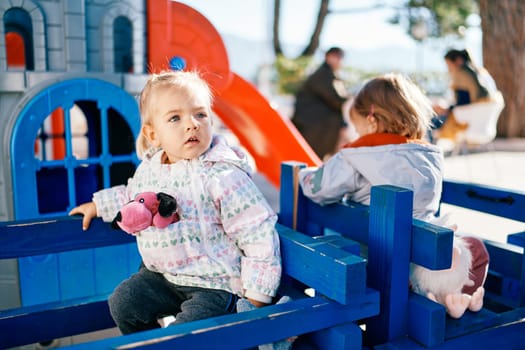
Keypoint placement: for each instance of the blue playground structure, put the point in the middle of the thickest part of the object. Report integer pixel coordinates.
(69, 120)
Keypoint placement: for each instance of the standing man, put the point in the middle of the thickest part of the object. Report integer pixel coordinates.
(318, 106)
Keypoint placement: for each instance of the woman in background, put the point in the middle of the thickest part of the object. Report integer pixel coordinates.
(469, 84)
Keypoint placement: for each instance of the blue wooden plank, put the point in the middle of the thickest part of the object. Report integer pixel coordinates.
(332, 272)
(247, 329)
(388, 260)
(505, 258)
(506, 282)
(42, 322)
(310, 218)
(431, 245)
(486, 199)
(288, 194)
(473, 322)
(426, 320)
(38, 237)
(344, 337)
(349, 219)
(507, 336)
(341, 242)
(517, 239)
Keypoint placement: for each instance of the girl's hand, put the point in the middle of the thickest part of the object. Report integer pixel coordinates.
(88, 210)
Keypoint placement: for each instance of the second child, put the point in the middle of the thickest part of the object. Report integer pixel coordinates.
(391, 116)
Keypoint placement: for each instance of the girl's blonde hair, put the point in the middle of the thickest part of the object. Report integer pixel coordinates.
(184, 82)
(396, 102)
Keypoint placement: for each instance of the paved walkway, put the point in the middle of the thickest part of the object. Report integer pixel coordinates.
(503, 167)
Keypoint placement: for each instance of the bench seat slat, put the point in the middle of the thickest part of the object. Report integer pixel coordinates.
(248, 329)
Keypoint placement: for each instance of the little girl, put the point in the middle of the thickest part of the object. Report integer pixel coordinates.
(225, 245)
(391, 115)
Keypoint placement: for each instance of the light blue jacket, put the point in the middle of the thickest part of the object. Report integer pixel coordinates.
(353, 171)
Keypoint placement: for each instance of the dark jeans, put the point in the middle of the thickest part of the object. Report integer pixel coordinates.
(138, 302)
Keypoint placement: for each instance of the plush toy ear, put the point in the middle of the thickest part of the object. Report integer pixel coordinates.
(167, 204)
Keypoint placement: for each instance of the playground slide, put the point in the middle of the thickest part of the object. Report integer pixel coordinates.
(177, 30)
(270, 138)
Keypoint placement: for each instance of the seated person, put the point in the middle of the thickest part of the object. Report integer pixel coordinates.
(469, 84)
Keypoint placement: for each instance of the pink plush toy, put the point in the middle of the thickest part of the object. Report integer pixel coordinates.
(147, 209)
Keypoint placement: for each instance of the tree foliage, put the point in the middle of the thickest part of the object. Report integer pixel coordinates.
(503, 31)
(503, 45)
(291, 70)
(438, 17)
(442, 17)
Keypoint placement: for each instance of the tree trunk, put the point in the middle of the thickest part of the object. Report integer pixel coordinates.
(313, 45)
(314, 39)
(277, 49)
(503, 28)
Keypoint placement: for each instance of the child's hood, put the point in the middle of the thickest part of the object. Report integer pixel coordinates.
(221, 151)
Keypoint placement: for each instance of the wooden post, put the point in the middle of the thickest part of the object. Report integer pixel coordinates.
(388, 260)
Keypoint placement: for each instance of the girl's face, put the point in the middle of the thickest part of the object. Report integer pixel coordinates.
(181, 123)
(363, 125)
(454, 65)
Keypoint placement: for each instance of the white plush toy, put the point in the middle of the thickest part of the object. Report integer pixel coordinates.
(444, 286)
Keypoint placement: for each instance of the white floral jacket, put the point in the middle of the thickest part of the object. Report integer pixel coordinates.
(226, 237)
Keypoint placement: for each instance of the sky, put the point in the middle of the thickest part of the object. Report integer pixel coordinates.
(350, 27)
(252, 20)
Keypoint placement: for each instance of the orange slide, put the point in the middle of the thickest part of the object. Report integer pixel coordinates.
(177, 30)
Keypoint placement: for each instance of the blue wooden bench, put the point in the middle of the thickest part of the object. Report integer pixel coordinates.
(331, 317)
(363, 258)
(393, 240)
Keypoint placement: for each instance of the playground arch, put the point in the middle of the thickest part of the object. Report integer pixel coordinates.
(48, 183)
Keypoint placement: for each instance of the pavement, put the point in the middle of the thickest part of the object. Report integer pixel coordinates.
(502, 165)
